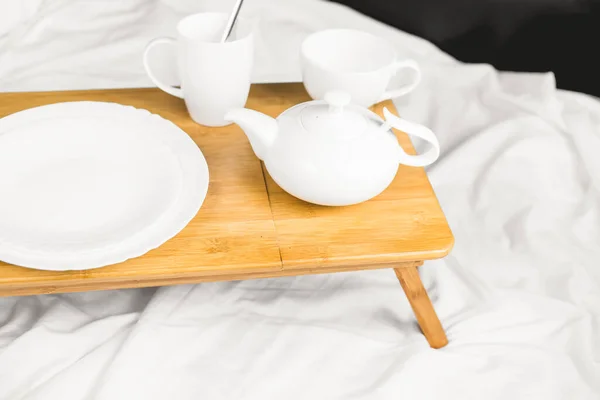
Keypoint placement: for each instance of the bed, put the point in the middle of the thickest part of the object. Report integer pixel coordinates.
(519, 295)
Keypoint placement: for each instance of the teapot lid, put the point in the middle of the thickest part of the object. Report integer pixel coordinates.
(334, 115)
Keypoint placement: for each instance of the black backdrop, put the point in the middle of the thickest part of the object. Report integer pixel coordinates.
(562, 36)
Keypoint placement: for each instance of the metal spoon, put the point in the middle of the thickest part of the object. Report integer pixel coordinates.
(231, 21)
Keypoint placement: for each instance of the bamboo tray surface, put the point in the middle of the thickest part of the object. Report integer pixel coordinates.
(248, 227)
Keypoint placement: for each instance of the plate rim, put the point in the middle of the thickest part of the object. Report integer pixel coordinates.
(194, 188)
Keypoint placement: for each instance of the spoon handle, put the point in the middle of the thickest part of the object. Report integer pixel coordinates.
(231, 21)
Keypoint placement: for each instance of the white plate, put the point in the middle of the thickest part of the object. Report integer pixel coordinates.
(87, 184)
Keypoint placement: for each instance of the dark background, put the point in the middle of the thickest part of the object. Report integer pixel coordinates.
(562, 36)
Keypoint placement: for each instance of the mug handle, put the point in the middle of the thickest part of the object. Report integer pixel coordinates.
(166, 88)
(414, 129)
(398, 65)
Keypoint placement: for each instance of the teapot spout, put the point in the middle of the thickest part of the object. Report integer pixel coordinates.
(260, 128)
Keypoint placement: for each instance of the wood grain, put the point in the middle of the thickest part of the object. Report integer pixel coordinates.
(419, 301)
(248, 227)
(233, 230)
(84, 286)
(404, 223)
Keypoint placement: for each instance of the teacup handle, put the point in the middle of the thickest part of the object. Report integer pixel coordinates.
(409, 64)
(164, 87)
(414, 129)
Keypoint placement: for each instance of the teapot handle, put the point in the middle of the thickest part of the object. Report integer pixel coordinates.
(414, 129)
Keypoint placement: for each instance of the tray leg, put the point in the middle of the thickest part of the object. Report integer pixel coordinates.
(422, 307)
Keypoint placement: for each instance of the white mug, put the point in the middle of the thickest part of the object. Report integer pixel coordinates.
(355, 62)
(215, 77)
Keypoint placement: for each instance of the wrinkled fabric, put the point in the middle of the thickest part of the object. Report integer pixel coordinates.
(519, 295)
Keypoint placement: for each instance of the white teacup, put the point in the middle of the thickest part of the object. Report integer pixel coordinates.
(355, 62)
(215, 77)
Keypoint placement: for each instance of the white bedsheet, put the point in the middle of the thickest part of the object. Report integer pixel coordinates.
(519, 295)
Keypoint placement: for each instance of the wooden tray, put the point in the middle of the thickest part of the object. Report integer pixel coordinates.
(248, 227)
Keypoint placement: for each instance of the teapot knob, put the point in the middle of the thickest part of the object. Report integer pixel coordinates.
(337, 100)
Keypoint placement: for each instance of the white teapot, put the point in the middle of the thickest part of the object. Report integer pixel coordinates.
(330, 152)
